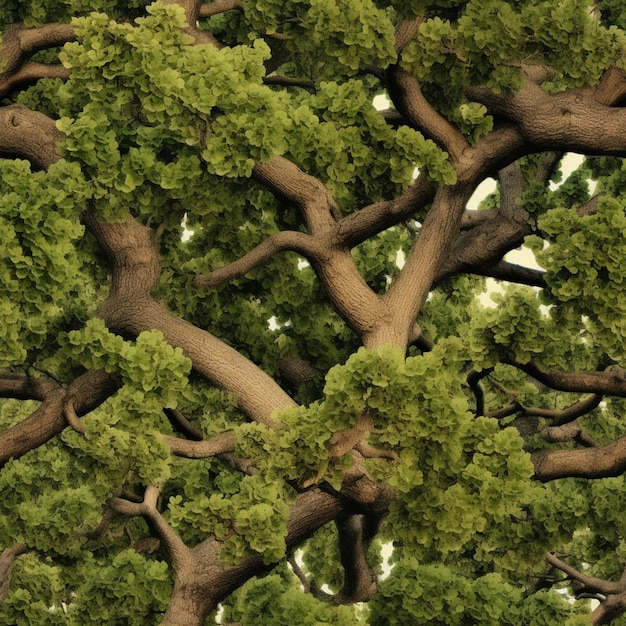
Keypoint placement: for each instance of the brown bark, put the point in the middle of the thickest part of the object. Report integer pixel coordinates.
(86, 392)
(597, 462)
(19, 44)
(7, 560)
(612, 606)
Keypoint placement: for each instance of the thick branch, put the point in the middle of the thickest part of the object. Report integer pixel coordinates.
(220, 444)
(86, 392)
(356, 532)
(130, 308)
(577, 120)
(219, 6)
(31, 72)
(204, 582)
(19, 43)
(611, 382)
(405, 92)
(599, 462)
(29, 134)
(24, 387)
(407, 294)
(288, 181)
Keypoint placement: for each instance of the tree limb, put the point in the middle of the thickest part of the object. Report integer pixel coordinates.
(208, 9)
(405, 93)
(284, 240)
(19, 43)
(598, 462)
(594, 584)
(7, 559)
(86, 393)
(29, 134)
(178, 553)
(356, 532)
(207, 448)
(611, 381)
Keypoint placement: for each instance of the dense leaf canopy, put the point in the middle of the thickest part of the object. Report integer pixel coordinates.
(263, 356)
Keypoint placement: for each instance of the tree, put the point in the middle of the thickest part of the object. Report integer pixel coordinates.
(244, 357)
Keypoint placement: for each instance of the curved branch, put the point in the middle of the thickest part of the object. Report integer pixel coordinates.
(600, 462)
(216, 7)
(611, 381)
(72, 418)
(405, 93)
(207, 448)
(7, 560)
(29, 134)
(86, 393)
(594, 584)
(564, 416)
(130, 308)
(19, 43)
(182, 425)
(287, 180)
(31, 72)
(576, 120)
(612, 606)
(179, 554)
(285, 240)
(572, 431)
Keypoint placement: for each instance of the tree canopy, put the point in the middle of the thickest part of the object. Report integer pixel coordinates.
(250, 370)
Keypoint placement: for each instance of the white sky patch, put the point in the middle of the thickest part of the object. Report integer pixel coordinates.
(483, 190)
(382, 102)
(187, 234)
(272, 323)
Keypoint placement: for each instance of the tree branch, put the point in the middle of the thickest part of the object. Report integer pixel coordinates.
(86, 393)
(29, 134)
(31, 72)
(7, 560)
(405, 93)
(216, 7)
(594, 584)
(356, 532)
(285, 240)
(182, 425)
(510, 272)
(611, 381)
(24, 386)
(179, 554)
(564, 416)
(19, 43)
(207, 448)
(576, 120)
(599, 462)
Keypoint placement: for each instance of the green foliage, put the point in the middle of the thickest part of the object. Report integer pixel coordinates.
(169, 132)
(40, 270)
(276, 600)
(250, 517)
(483, 43)
(594, 282)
